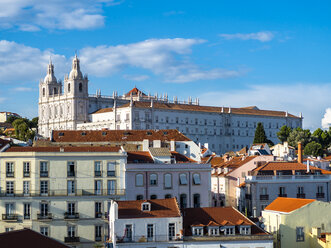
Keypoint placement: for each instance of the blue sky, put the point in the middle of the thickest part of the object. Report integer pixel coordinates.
(272, 54)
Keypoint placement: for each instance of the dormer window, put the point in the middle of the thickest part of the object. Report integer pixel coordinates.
(245, 230)
(229, 230)
(197, 231)
(61, 134)
(145, 206)
(213, 231)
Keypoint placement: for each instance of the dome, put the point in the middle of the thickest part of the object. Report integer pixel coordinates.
(50, 78)
(75, 71)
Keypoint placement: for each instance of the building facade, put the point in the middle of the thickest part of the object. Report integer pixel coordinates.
(61, 192)
(70, 107)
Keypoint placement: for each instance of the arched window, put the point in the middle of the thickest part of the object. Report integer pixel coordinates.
(139, 180)
(153, 197)
(80, 87)
(182, 179)
(139, 197)
(43, 91)
(167, 181)
(167, 196)
(196, 179)
(55, 91)
(196, 200)
(153, 179)
(68, 87)
(183, 201)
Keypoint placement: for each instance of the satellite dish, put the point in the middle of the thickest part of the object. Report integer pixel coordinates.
(222, 228)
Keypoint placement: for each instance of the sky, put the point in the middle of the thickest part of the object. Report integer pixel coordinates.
(272, 54)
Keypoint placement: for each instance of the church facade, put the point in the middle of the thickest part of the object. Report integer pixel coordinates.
(69, 106)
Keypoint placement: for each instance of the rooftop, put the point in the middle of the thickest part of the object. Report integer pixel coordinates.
(287, 205)
(160, 208)
(64, 149)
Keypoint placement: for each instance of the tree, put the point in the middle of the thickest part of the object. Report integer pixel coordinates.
(11, 119)
(321, 137)
(313, 149)
(283, 133)
(34, 123)
(299, 135)
(260, 136)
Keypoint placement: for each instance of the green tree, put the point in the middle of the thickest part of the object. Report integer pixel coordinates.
(283, 133)
(260, 136)
(299, 135)
(23, 130)
(313, 149)
(321, 137)
(34, 123)
(11, 119)
(16, 124)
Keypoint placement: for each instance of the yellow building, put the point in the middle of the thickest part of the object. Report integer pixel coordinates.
(62, 192)
(298, 222)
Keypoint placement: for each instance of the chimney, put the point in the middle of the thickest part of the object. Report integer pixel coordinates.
(308, 166)
(299, 152)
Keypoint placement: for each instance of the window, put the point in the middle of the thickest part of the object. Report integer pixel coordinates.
(71, 187)
(196, 179)
(111, 187)
(27, 211)
(44, 209)
(26, 169)
(26, 187)
(167, 181)
(68, 87)
(196, 200)
(183, 179)
(80, 87)
(10, 169)
(171, 231)
(71, 169)
(43, 187)
(71, 208)
(300, 234)
(300, 190)
(167, 196)
(229, 231)
(128, 232)
(111, 169)
(43, 169)
(139, 180)
(153, 197)
(44, 230)
(150, 231)
(43, 91)
(98, 211)
(264, 191)
(10, 209)
(282, 191)
(97, 233)
(139, 197)
(197, 231)
(146, 206)
(71, 231)
(213, 231)
(10, 188)
(97, 187)
(245, 230)
(320, 190)
(183, 200)
(9, 229)
(153, 179)
(97, 168)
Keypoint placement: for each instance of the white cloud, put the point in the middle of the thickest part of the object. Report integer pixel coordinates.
(310, 99)
(31, 15)
(165, 57)
(23, 89)
(136, 77)
(20, 63)
(326, 120)
(262, 36)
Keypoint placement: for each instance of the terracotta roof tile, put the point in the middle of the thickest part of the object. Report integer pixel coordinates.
(180, 158)
(117, 135)
(103, 110)
(211, 109)
(135, 91)
(160, 208)
(287, 205)
(139, 157)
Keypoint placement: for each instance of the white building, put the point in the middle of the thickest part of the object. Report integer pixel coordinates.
(5, 115)
(283, 151)
(70, 107)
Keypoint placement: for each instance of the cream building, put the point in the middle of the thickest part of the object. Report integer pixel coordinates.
(62, 192)
(69, 106)
(298, 222)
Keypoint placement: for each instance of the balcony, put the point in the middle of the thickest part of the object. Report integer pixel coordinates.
(282, 195)
(44, 174)
(264, 197)
(10, 174)
(110, 173)
(10, 217)
(301, 195)
(26, 173)
(45, 216)
(70, 174)
(289, 178)
(142, 238)
(97, 173)
(320, 195)
(64, 192)
(71, 216)
(71, 239)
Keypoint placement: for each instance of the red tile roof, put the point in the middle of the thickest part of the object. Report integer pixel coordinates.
(287, 205)
(117, 135)
(64, 149)
(218, 215)
(139, 157)
(160, 208)
(28, 238)
(180, 158)
(135, 91)
(211, 109)
(103, 110)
